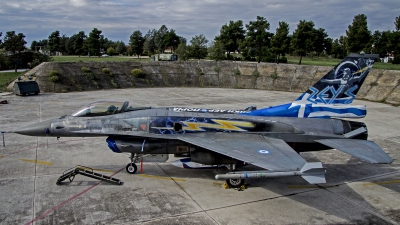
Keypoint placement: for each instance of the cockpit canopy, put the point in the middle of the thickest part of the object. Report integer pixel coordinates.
(104, 108)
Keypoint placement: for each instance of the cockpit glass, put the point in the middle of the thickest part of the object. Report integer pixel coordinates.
(103, 108)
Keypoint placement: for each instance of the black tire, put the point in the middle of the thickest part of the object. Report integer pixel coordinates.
(235, 183)
(36, 93)
(131, 168)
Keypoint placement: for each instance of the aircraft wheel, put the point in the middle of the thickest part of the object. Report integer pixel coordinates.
(131, 168)
(235, 183)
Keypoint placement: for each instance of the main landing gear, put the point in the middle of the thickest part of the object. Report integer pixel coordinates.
(131, 167)
(234, 183)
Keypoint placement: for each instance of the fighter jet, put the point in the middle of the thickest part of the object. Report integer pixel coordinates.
(269, 138)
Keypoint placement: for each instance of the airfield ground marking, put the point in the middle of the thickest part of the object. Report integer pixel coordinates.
(69, 200)
(383, 217)
(381, 182)
(54, 143)
(201, 208)
(162, 178)
(37, 161)
(311, 186)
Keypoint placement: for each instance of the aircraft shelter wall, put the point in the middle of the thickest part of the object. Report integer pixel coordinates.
(380, 85)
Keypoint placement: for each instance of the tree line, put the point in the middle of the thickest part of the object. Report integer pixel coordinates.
(253, 41)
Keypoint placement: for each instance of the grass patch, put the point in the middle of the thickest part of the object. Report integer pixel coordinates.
(315, 61)
(6, 78)
(95, 59)
(386, 66)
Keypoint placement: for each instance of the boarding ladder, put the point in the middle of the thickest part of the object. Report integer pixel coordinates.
(86, 171)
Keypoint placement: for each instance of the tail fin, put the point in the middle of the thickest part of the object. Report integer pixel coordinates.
(342, 83)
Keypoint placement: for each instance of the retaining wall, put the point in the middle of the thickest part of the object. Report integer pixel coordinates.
(380, 85)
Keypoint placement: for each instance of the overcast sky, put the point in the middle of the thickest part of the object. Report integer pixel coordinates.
(119, 18)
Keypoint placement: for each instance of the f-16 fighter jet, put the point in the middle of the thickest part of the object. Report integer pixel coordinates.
(270, 138)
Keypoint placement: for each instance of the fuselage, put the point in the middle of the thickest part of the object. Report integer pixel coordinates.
(161, 125)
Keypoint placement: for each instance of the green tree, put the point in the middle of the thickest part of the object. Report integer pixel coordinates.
(54, 42)
(183, 51)
(198, 47)
(320, 40)
(92, 43)
(358, 34)
(280, 42)
(303, 38)
(394, 46)
(136, 42)
(79, 47)
(110, 51)
(14, 43)
(230, 36)
(39, 45)
(63, 43)
(216, 50)
(120, 47)
(328, 45)
(397, 23)
(69, 45)
(379, 43)
(335, 48)
(159, 38)
(34, 43)
(149, 44)
(343, 40)
(105, 43)
(257, 36)
(171, 39)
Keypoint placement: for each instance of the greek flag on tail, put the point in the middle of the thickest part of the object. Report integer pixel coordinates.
(332, 95)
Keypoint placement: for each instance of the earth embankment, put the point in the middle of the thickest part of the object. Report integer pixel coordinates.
(380, 85)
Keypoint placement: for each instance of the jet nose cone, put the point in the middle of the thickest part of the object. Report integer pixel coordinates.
(37, 129)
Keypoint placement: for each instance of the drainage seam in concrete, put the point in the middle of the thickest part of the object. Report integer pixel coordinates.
(202, 210)
(266, 199)
(222, 207)
(36, 157)
(362, 207)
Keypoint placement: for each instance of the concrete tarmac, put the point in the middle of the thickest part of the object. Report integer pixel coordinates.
(356, 192)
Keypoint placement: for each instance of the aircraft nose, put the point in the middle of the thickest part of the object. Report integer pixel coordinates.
(37, 129)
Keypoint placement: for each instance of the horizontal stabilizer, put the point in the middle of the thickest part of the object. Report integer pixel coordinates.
(363, 149)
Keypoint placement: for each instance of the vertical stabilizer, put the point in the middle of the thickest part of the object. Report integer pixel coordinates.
(342, 83)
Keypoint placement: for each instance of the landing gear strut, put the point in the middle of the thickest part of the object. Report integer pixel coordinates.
(131, 167)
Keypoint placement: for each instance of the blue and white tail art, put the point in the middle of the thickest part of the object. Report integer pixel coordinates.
(331, 96)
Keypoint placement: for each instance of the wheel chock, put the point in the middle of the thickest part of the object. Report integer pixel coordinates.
(226, 186)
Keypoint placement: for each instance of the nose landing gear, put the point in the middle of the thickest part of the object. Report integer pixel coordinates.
(131, 168)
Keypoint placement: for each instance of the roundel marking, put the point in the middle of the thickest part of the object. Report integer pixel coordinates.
(263, 151)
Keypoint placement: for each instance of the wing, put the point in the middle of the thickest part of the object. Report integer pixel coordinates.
(268, 153)
(363, 149)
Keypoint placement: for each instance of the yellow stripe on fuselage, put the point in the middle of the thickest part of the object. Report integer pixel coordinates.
(220, 124)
